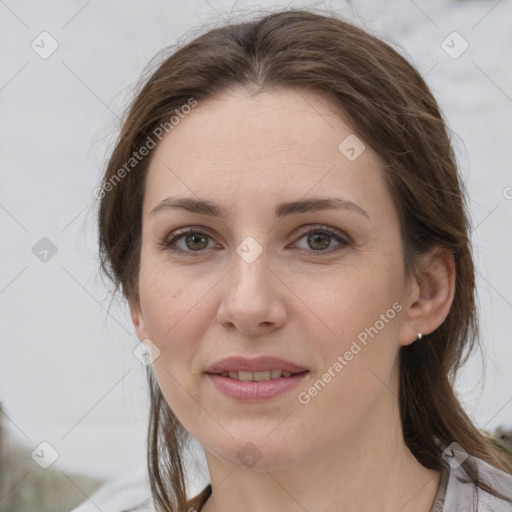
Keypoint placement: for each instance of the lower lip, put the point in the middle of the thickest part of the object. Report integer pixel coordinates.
(254, 390)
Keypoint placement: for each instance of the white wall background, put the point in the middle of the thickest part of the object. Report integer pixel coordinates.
(68, 375)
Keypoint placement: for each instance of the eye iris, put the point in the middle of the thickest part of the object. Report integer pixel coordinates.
(314, 238)
(194, 237)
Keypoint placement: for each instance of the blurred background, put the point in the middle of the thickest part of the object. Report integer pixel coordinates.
(73, 393)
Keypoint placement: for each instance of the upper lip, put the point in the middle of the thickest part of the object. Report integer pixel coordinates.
(259, 364)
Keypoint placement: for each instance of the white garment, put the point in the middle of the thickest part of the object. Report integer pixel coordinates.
(130, 493)
(134, 495)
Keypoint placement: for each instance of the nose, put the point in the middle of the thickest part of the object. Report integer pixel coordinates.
(252, 300)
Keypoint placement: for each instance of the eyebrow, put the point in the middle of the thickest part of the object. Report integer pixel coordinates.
(205, 207)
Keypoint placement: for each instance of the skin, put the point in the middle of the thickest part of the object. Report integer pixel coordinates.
(344, 450)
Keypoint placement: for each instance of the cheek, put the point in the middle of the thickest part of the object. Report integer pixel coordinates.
(355, 331)
(351, 299)
(174, 318)
(177, 311)
(166, 295)
(166, 308)
(357, 368)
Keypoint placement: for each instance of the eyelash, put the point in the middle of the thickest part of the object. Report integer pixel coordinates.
(168, 243)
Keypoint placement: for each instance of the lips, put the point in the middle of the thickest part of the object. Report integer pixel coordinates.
(255, 391)
(260, 364)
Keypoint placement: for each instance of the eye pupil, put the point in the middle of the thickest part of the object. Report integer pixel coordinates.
(194, 237)
(316, 237)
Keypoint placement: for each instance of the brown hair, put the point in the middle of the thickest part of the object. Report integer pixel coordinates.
(392, 109)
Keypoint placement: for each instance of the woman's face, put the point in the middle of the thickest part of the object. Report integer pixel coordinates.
(271, 274)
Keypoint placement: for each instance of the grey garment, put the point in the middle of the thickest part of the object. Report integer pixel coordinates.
(437, 505)
(462, 496)
(453, 494)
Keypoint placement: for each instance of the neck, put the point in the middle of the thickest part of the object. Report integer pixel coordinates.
(381, 475)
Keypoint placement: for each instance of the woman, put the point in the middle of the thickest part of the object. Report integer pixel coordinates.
(284, 215)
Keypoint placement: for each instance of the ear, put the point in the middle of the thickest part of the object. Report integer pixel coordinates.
(431, 295)
(138, 321)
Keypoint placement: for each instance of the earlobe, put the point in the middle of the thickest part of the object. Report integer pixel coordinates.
(138, 321)
(432, 295)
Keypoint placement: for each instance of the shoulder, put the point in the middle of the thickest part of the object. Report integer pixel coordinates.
(463, 495)
(128, 494)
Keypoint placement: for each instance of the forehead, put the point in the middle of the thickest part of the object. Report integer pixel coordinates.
(284, 141)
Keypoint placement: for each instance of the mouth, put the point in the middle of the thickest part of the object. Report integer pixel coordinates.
(261, 376)
(256, 387)
(256, 379)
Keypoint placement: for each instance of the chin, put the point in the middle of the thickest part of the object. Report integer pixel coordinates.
(257, 453)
